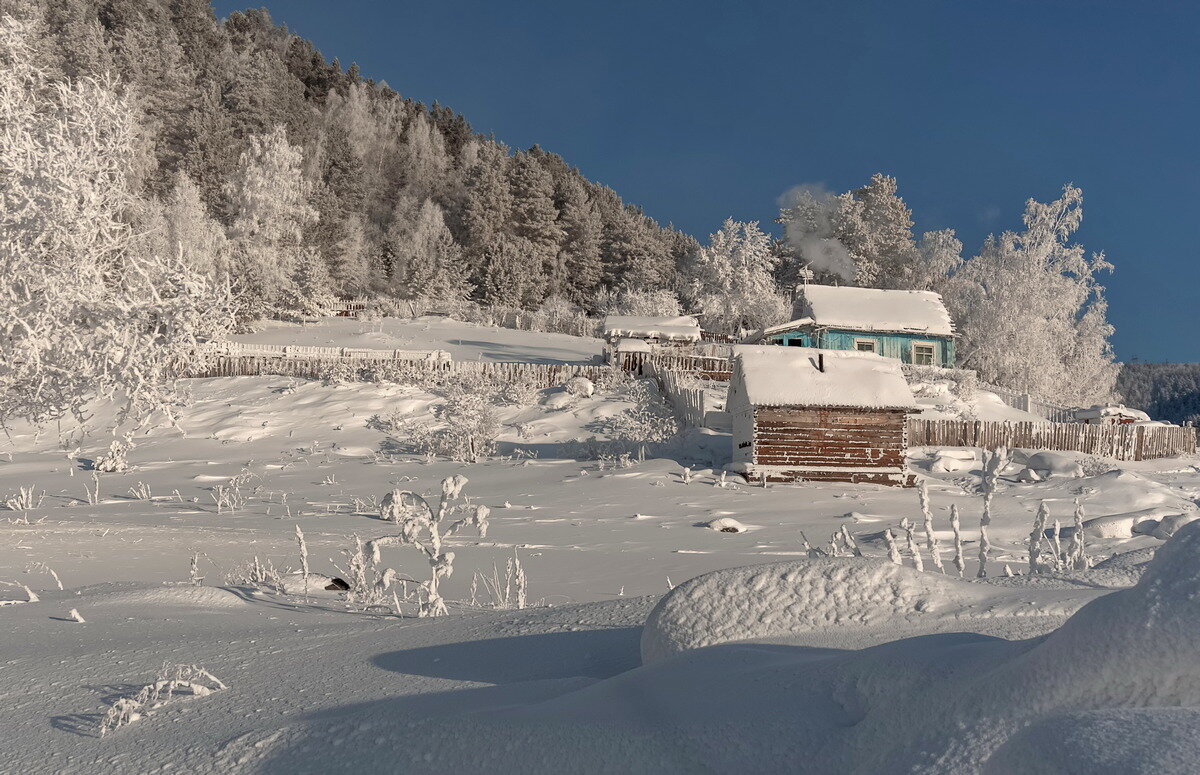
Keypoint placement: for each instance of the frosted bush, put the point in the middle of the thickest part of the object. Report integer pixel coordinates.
(113, 461)
(426, 529)
(580, 386)
(467, 431)
(520, 391)
(171, 682)
(649, 420)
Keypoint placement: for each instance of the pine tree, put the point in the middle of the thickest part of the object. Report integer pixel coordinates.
(579, 259)
(535, 226)
(486, 210)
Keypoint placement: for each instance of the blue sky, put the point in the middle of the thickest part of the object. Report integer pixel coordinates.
(702, 110)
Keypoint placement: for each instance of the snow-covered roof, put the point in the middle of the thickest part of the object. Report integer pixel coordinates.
(873, 309)
(790, 376)
(779, 329)
(1101, 411)
(627, 345)
(680, 329)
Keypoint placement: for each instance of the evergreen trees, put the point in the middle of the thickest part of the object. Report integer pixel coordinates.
(393, 196)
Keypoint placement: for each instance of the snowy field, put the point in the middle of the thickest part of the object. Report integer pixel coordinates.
(811, 672)
(464, 341)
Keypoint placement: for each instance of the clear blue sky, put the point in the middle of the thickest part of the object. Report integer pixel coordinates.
(702, 110)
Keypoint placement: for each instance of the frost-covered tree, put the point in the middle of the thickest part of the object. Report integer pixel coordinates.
(269, 198)
(1030, 311)
(732, 284)
(192, 231)
(85, 310)
(579, 259)
(659, 303)
(535, 225)
(436, 262)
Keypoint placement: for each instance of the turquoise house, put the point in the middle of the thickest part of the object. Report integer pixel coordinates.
(911, 326)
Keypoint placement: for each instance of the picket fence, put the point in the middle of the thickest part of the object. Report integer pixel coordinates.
(687, 402)
(541, 375)
(350, 353)
(713, 368)
(1123, 442)
(1051, 411)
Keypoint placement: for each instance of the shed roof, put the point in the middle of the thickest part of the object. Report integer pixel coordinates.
(682, 329)
(771, 375)
(874, 309)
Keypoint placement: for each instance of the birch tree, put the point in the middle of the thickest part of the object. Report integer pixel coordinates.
(84, 312)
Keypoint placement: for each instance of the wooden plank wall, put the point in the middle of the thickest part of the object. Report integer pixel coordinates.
(829, 437)
(1123, 442)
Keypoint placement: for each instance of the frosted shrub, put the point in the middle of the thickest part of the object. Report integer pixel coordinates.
(426, 529)
(171, 682)
(520, 391)
(507, 592)
(468, 431)
(931, 541)
(25, 499)
(649, 420)
(113, 461)
(339, 372)
(580, 386)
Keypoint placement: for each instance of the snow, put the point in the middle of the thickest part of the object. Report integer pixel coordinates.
(765, 375)
(683, 328)
(1113, 411)
(763, 657)
(464, 341)
(770, 601)
(872, 309)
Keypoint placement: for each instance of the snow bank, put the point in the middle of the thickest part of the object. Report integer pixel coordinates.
(767, 600)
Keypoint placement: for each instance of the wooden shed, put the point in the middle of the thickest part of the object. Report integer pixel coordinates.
(806, 414)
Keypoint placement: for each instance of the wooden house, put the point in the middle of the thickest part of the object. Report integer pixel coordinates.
(911, 326)
(643, 333)
(818, 415)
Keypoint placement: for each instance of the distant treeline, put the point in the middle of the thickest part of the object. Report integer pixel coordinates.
(1165, 391)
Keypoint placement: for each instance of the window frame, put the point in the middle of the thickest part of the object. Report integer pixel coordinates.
(933, 357)
(862, 340)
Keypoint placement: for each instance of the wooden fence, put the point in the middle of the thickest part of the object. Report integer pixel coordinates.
(327, 353)
(688, 402)
(542, 375)
(1058, 413)
(1123, 442)
(717, 369)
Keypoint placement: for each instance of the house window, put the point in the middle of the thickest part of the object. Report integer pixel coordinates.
(922, 354)
(864, 345)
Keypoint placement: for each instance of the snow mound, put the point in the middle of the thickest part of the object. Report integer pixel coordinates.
(765, 600)
(952, 460)
(726, 525)
(169, 597)
(1143, 741)
(1048, 465)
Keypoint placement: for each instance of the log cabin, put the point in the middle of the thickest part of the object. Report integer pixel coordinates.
(807, 414)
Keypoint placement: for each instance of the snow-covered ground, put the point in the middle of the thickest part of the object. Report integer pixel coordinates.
(827, 684)
(464, 341)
